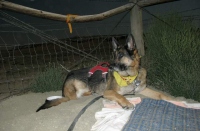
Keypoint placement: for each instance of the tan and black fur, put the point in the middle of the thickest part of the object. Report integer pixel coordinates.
(126, 63)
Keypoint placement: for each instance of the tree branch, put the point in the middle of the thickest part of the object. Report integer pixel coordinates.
(86, 18)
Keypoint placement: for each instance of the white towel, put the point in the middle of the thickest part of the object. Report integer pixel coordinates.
(186, 105)
(113, 117)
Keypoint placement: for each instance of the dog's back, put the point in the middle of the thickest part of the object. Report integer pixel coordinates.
(95, 83)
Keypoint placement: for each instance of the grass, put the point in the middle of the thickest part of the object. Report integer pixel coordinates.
(173, 57)
(51, 79)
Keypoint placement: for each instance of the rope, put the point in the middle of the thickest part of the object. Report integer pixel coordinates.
(12, 20)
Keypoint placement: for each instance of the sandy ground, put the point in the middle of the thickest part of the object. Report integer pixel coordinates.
(18, 113)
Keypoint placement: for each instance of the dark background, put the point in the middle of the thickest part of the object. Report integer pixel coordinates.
(187, 8)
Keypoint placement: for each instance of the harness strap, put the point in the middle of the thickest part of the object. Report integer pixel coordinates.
(81, 112)
(103, 66)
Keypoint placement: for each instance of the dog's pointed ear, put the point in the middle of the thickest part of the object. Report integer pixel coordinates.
(115, 44)
(130, 43)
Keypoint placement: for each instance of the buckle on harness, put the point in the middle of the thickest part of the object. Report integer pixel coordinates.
(137, 82)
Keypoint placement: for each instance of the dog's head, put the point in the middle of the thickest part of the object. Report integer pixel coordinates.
(126, 58)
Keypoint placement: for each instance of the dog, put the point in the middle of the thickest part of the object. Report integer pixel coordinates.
(112, 81)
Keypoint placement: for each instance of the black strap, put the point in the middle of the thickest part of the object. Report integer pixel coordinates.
(84, 109)
(81, 112)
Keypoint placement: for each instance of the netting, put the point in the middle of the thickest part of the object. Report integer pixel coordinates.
(25, 50)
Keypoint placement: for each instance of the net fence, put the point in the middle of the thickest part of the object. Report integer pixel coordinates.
(25, 50)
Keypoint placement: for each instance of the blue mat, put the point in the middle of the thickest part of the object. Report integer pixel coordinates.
(159, 115)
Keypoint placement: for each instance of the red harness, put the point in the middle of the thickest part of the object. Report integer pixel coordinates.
(103, 66)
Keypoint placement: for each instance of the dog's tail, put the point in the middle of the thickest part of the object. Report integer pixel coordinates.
(53, 101)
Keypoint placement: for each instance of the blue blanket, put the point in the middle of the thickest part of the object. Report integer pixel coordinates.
(159, 115)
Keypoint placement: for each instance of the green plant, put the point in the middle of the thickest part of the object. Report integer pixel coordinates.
(49, 80)
(173, 57)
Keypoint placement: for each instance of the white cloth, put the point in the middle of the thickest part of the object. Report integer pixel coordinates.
(113, 117)
(186, 105)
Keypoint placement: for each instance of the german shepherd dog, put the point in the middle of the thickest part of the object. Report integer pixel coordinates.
(124, 76)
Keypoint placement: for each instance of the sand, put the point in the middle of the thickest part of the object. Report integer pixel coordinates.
(18, 113)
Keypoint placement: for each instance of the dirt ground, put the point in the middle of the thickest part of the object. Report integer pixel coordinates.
(18, 113)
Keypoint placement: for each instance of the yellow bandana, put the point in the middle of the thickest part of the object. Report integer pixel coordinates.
(124, 81)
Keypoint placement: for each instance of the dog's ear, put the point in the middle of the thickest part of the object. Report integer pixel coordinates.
(130, 43)
(115, 44)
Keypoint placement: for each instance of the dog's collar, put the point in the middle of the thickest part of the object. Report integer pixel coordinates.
(124, 81)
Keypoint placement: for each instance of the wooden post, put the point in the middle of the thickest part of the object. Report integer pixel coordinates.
(137, 27)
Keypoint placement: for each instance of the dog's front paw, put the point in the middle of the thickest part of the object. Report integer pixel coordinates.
(127, 105)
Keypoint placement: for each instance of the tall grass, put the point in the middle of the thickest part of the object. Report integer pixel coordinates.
(173, 57)
(51, 79)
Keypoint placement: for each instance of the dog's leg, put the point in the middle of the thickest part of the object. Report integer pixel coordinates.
(69, 93)
(155, 94)
(52, 102)
(87, 93)
(141, 79)
(121, 100)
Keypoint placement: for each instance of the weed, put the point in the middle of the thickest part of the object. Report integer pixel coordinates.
(173, 57)
(51, 79)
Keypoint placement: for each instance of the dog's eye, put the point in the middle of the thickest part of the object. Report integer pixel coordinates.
(120, 55)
